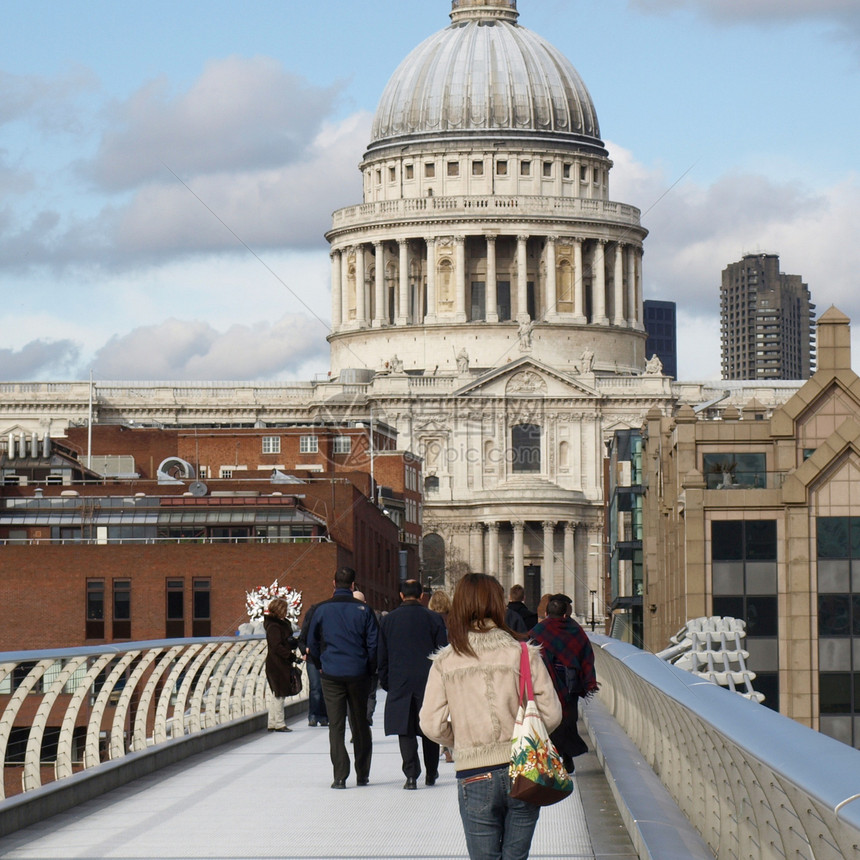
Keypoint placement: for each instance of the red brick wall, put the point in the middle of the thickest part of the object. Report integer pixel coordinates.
(43, 587)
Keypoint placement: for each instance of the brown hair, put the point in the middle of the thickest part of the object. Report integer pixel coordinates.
(517, 593)
(478, 599)
(541, 607)
(439, 602)
(278, 607)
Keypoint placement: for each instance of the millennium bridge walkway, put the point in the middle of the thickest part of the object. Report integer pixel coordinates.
(162, 753)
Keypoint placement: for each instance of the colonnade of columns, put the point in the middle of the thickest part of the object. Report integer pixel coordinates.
(430, 280)
(483, 550)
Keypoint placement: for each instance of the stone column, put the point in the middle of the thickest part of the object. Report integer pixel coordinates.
(640, 309)
(492, 282)
(493, 549)
(618, 313)
(569, 575)
(517, 565)
(522, 279)
(360, 288)
(632, 310)
(578, 283)
(380, 312)
(551, 284)
(476, 546)
(344, 286)
(336, 287)
(431, 279)
(548, 571)
(460, 278)
(403, 291)
(599, 284)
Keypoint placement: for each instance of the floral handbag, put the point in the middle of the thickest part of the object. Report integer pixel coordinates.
(537, 773)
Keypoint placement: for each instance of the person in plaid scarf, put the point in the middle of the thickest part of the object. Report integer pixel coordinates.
(569, 657)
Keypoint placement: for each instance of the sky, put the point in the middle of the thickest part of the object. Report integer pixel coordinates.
(168, 169)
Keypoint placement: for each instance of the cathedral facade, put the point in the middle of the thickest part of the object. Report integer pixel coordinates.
(486, 304)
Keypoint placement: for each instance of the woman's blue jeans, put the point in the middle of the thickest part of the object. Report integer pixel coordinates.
(497, 826)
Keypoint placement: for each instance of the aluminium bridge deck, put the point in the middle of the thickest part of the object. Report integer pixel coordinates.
(268, 796)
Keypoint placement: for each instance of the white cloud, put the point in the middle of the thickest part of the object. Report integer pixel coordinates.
(177, 349)
(240, 115)
(40, 359)
(696, 230)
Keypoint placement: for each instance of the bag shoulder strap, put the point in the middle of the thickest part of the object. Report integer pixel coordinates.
(525, 674)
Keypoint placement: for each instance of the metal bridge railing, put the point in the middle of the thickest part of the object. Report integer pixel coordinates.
(754, 783)
(76, 708)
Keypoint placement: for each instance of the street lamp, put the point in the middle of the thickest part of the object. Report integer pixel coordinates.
(593, 609)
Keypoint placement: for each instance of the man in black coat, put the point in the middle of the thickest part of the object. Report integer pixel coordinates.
(518, 616)
(408, 636)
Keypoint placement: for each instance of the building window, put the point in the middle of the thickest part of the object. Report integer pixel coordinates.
(410, 171)
(430, 170)
(744, 585)
(226, 472)
(566, 173)
(175, 626)
(583, 174)
(379, 177)
(502, 168)
(122, 609)
(392, 174)
(308, 444)
(453, 168)
(735, 471)
(342, 444)
(431, 484)
(547, 168)
(525, 168)
(477, 168)
(525, 448)
(271, 444)
(95, 622)
(201, 604)
(838, 563)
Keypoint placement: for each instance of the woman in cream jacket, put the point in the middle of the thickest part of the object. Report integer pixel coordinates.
(470, 705)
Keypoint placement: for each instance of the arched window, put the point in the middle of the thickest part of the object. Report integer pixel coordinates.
(434, 561)
(564, 456)
(565, 287)
(525, 448)
(431, 484)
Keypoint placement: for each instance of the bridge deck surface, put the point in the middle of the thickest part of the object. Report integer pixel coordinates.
(269, 796)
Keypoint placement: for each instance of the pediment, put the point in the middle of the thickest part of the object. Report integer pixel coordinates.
(845, 442)
(526, 378)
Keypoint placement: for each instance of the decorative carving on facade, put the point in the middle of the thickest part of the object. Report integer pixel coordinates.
(527, 383)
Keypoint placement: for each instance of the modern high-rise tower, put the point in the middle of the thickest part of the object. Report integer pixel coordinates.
(766, 321)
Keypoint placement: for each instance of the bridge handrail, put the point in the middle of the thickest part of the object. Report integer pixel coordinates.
(755, 783)
(134, 695)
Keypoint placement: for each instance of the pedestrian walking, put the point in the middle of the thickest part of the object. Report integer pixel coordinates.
(317, 714)
(517, 615)
(343, 636)
(569, 656)
(408, 636)
(280, 656)
(471, 702)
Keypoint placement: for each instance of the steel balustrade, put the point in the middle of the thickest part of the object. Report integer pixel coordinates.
(127, 697)
(754, 783)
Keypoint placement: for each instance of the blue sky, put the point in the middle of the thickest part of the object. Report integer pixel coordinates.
(167, 170)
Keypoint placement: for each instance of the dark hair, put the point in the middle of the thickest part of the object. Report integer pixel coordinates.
(556, 608)
(411, 588)
(478, 599)
(344, 577)
(517, 593)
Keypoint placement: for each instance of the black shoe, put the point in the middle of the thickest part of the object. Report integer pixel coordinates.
(323, 722)
(431, 778)
(567, 761)
(363, 780)
(339, 783)
(282, 729)
(312, 722)
(411, 783)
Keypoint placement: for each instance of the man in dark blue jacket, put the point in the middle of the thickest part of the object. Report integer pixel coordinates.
(342, 637)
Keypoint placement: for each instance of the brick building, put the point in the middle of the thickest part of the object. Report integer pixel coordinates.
(146, 543)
